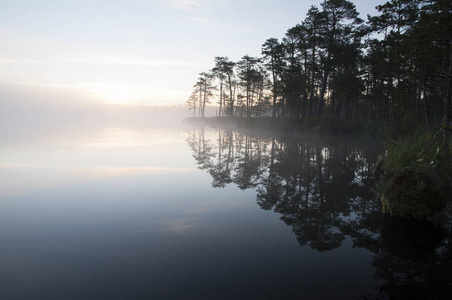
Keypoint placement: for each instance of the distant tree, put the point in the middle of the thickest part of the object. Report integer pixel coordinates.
(191, 102)
(346, 80)
(290, 83)
(224, 71)
(273, 55)
(251, 76)
(312, 24)
(339, 21)
(205, 88)
(220, 72)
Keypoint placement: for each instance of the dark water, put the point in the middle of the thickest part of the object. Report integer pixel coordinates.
(206, 214)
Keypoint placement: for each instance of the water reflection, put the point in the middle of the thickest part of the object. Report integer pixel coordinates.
(63, 157)
(322, 188)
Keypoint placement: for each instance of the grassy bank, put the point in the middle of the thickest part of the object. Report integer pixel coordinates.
(417, 167)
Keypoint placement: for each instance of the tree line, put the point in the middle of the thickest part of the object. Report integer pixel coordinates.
(334, 63)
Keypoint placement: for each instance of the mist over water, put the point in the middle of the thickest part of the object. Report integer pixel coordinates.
(114, 202)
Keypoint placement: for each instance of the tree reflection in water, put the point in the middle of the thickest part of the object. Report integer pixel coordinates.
(322, 188)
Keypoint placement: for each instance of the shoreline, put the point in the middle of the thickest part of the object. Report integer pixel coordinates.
(321, 125)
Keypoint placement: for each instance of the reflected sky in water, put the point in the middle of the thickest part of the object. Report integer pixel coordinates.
(69, 157)
(125, 213)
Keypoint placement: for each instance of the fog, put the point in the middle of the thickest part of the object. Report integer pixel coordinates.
(30, 112)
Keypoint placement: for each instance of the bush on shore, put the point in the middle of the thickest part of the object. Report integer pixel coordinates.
(418, 175)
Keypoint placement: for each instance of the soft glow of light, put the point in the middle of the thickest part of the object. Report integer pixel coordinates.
(113, 93)
(118, 93)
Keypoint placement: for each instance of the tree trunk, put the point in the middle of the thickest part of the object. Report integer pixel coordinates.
(427, 123)
(221, 99)
(311, 98)
(231, 96)
(200, 103)
(447, 113)
(319, 109)
(204, 102)
(274, 92)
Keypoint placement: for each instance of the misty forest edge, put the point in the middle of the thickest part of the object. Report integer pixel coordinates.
(335, 73)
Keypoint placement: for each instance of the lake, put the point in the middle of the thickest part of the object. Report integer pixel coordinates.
(201, 213)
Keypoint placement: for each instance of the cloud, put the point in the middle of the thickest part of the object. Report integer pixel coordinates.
(50, 51)
(222, 27)
(20, 48)
(201, 21)
(187, 5)
(99, 59)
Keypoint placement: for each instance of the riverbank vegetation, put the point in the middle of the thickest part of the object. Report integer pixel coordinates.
(419, 172)
(334, 71)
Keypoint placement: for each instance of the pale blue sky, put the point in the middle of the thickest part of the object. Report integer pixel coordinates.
(134, 51)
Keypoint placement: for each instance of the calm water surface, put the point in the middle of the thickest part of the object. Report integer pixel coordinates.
(197, 213)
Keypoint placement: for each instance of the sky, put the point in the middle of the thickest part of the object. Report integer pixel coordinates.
(133, 51)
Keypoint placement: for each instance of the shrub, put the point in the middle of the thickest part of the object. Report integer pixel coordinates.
(412, 194)
(420, 152)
